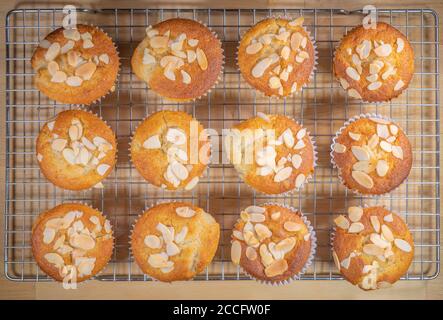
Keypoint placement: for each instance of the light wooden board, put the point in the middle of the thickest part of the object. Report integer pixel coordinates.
(225, 289)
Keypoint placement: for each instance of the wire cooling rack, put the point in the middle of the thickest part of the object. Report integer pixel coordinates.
(322, 107)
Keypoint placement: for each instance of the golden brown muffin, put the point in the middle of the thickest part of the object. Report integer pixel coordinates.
(72, 242)
(277, 56)
(272, 243)
(372, 247)
(372, 155)
(76, 150)
(170, 150)
(174, 241)
(374, 65)
(77, 66)
(179, 59)
(272, 153)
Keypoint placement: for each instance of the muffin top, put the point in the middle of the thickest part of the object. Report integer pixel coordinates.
(77, 66)
(373, 155)
(180, 59)
(72, 242)
(374, 64)
(273, 153)
(76, 150)
(271, 242)
(372, 247)
(170, 150)
(277, 56)
(174, 241)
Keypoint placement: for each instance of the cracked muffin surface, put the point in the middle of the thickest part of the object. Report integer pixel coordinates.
(174, 241)
(170, 150)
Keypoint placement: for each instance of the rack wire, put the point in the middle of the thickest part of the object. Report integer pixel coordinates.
(322, 107)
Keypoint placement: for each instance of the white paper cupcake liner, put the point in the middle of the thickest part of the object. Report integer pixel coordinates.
(85, 109)
(339, 132)
(100, 272)
(311, 75)
(308, 263)
(160, 187)
(307, 179)
(217, 81)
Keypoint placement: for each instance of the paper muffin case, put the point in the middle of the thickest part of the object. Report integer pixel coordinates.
(131, 253)
(310, 259)
(217, 81)
(311, 75)
(346, 90)
(308, 178)
(94, 277)
(84, 108)
(159, 187)
(339, 132)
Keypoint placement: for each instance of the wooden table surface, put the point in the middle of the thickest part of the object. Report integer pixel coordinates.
(432, 289)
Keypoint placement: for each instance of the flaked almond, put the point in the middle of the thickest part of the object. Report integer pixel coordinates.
(356, 227)
(275, 215)
(172, 249)
(152, 142)
(382, 168)
(387, 233)
(59, 77)
(82, 241)
(375, 223)
(355, 213)
(383, 50)
(378, 241)
(296, 22)
(180, 237)
(283, 174)
(354, 93)
(159, 260)
(237, 234)
(372, 77)
(352, 73)
(360, 153)
(147, 57)
(382, 131)
(363, 179)
(286, 245)
(344, 83)
(296, 39)
(152, 242)
(397, 152)
(274, 82)
(354, 136)
(86, 70)
(251, 254)
(386, 146)
(257, 217)
(346, 263)
(300, 180)
(193, 42)
(373, 141)
(276, 268)
(265, 255)
(71, 34)
(169, 74)
(192, 183)
(336, 260)
(342, 222)
(48, 235)
(253, 48)
(185, 212)
(201, 59)
(288, 138)
(403, 245)
(388, 218)
(255, 209)
(104, 58)
(52, 51)
(59, 144)
(69, 156)
(185, 77)
(301, 56)
(262, 231)
(292, 226)
(103, 168)
(74, 81)
(55, 259)
(53, 67)
(400, 84)
(374, 86)
(87, 43)
(259, 69)
(372, 250)
(159, 42)
(339, 148)
(179, 170)
(251, 239)
(299, 145)
(296, 161)
(364, 49)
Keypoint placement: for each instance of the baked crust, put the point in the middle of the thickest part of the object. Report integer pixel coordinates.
(248, 170)
(153, 164)
(102, 251)
(296, 258)
(398, 168)
(196, 250)
(402, 62)
(54, 165)
(301, 72)
(101, 82)
(201, 80)
(388, 271)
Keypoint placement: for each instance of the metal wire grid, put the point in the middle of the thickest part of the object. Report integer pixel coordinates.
(322, 107)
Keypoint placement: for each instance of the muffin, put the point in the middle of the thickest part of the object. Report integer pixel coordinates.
(77, 66)
(179, 59)
(277, 56)
(170, 150)
(272, 243)
(72, 242)
(372, 154)
(76, 150)
(272, 153)
(372, 247)
(174, 241)
(374, 65)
